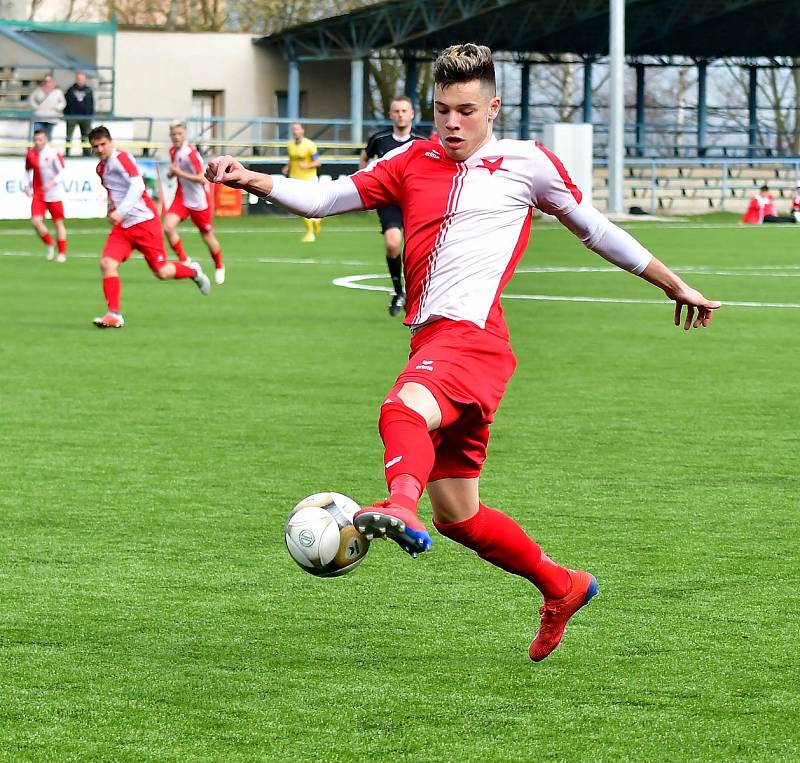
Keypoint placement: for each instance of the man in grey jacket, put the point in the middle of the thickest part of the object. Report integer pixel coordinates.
(47, 102)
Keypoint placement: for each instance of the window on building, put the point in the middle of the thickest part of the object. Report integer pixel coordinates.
(205, 105)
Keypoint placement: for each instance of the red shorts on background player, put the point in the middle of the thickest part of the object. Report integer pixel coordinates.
(466, 204)
(135, 226)
(44, 165)
(192, 199)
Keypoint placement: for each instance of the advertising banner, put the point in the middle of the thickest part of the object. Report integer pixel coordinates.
(84, 196)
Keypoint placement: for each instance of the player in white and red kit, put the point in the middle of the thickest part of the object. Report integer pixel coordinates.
(796, 205)
(135, 226)
(191, 200)
(44, 165)
(467, 206)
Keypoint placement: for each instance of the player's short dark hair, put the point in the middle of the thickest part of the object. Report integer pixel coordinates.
(101, 131)
(405, 98)
(464, 63)
(764, 187)
(40, 131)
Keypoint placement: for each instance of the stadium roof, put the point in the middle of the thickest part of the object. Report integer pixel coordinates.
(698, 28)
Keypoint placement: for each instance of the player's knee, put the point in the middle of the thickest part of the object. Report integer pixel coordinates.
(108, 267)
(393, 240)
(448, 510)
(162, 273)
(395, 411)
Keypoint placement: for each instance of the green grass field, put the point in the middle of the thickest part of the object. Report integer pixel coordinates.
(149, 610)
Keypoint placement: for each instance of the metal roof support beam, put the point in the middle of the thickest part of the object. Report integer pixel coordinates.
(411, 83)
(616, 116)
(357, 100)
(525, 101)
(587, 90)
(702, 107)
(293, 95)
(752, 108)
(640, 113)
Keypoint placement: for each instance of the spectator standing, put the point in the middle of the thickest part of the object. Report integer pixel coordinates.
(48, 103)
(79, 109)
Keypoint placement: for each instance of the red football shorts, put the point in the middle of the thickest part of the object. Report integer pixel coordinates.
(145, 237)
(39, 206)
(466, 369)
(200, 217)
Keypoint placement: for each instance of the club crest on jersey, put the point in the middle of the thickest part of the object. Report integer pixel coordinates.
(492, 165)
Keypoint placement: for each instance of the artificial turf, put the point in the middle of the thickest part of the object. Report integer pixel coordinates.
(149, 609)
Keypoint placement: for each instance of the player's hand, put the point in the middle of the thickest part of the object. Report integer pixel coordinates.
(28, 191)
(171, 171)
(285, 170)
(228, 171)
(699, 310)
(114, 217)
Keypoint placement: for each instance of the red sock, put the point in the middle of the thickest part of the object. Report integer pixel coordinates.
(111, 288)
(48, 239)
(408, 451)
(177, 247)
(498, 539)
(217, 257)
(62, 246)
(183, 271)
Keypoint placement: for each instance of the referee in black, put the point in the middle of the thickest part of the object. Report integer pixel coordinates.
(401, 112)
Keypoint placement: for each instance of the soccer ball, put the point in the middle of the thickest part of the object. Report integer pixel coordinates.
(321, 537)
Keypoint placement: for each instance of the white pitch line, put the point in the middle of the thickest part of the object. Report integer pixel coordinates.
(288, 261)
(223, 231)
(758, 272)
(356, 282)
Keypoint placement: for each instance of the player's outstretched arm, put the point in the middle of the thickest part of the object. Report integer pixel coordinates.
(660, 275)
(617, 246)
(231, 172)
(298, 196)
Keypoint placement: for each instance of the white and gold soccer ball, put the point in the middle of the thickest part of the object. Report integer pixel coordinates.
(321, 537)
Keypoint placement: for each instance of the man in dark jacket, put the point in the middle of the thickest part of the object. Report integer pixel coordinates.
(80, 106)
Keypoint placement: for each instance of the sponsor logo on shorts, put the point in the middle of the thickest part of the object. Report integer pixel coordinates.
(394, 461)
(425, 365)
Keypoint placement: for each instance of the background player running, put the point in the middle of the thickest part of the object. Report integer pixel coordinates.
(302, 165)
(401, 112)
(44, 166)
(135, 225)
(191, 200)
(467, 207)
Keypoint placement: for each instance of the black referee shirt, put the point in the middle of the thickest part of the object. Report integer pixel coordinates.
(383, 141)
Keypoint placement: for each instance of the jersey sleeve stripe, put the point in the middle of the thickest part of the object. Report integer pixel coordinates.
(562, 171)
(128, 164)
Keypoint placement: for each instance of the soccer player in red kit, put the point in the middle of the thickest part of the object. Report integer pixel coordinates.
(796, 205)
(44, 165)
(135, 225)
(467, 205)
(191, 200)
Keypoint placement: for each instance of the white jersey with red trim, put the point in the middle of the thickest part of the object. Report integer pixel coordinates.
(116, 174)
(467, 223)
(188, 159)
(45, 166)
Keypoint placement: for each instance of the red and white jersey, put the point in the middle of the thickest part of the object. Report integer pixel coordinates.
(116, 174)
(466, 223)
(796, 202)
(43, 167)
(188, 159)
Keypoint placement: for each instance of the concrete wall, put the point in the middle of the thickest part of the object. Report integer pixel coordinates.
(156, 73)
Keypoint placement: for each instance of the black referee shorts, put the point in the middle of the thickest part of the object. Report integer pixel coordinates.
(390, 217)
